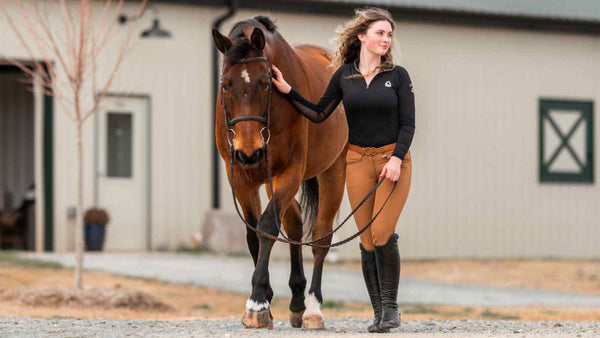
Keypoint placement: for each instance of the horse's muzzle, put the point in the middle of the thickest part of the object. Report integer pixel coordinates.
(249, 162)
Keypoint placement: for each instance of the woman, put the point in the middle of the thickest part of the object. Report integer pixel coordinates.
(379, 103)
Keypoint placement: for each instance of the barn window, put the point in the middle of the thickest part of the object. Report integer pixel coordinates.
(566, 151)
(119, 147)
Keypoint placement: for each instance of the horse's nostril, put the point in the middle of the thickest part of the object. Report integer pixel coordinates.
(241, 157)
(257, 155)
(246, 160)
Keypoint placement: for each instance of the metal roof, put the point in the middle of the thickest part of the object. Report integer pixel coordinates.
(587, 10)
(574, 16)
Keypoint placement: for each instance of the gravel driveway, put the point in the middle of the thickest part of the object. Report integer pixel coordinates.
(31, 327)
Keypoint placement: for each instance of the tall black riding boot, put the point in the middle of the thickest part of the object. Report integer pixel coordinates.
(369, 270)
(388, 268)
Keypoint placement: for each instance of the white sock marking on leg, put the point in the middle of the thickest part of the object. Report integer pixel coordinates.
(254, 306)
(313, 307)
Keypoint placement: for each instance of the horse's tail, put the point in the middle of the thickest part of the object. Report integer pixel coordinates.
(309, 203)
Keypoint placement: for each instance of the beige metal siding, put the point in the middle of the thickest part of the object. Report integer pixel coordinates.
(476, 183)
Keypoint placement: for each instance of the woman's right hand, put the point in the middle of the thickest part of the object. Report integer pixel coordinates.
(279, 81)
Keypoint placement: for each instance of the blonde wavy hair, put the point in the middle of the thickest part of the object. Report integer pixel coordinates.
(349, 44)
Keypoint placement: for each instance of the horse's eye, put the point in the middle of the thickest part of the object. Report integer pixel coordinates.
(265, 86)
(225, 87)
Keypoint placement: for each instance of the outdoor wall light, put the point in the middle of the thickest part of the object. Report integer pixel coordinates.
(156, 31)
(153, 32)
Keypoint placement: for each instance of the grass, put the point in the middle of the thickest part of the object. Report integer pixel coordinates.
(144, 278)
(11, 258)
(189, 250)
(423, 309)
(419, 309)
(238, 254)
(202, 307)
(332, 304)
(494, 315)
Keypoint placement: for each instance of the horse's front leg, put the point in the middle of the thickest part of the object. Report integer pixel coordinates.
(285, 187)
(250, 203)
(292, 223)
(249, 199)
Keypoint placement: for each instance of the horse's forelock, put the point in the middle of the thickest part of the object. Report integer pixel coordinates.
(241, 44)
(238, 50)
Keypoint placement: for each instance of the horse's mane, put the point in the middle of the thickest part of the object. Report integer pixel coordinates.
(241, 44)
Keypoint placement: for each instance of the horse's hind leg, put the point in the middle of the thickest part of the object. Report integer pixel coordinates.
(293, 227)
(331, 192)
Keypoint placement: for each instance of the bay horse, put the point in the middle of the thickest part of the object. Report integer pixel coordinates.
(299, 153)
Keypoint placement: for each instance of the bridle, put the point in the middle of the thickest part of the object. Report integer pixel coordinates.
(265, 120)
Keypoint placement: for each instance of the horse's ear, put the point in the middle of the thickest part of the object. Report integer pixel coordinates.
(223, 43)
(257, 39)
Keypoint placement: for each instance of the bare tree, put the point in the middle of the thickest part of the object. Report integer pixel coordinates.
(65, 40)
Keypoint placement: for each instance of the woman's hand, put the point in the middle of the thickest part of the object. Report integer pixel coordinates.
(279, 81)
(391, 171)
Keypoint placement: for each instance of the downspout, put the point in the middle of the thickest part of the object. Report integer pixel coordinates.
(216, 199)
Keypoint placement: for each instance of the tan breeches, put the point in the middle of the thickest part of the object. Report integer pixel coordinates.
(362, 174)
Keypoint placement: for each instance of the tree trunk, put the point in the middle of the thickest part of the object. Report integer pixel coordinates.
(79, 226)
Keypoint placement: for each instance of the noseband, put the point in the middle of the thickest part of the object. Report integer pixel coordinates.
(265, 119)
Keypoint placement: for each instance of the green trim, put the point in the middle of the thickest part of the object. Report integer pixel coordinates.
(48, 173)
(586, 108)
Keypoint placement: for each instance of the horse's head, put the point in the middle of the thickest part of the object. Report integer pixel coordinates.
(245, 90)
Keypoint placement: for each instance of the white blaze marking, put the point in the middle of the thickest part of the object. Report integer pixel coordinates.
(313, 307)
(245, 76)
(254, 306)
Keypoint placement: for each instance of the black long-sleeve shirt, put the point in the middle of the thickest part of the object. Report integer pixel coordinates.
(378, 114)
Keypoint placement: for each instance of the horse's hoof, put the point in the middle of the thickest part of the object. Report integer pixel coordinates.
(257, 320)
(313, 322)
(296, 318)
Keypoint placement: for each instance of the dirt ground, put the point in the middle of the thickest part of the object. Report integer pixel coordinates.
(191, 302)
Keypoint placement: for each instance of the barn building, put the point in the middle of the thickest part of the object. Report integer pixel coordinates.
(504, 161)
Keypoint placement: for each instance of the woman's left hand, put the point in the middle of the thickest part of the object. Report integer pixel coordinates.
(391, 171)
(279, 81)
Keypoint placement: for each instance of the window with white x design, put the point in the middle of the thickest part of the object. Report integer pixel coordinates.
(566, 141)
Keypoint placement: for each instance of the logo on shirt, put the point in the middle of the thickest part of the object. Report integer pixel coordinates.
(388, 84)
(412, 90)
